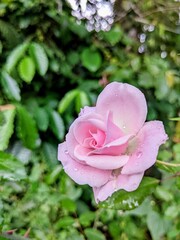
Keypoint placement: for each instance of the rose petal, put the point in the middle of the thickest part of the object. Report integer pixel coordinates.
(105, 162)
(81, 174)
(150, 137)
(112, 131)
(117, 147)
(86, 110)
(99, 137)
(83, 127)
(71, 141)
(127, 104)
(126, 182)
(120, 141)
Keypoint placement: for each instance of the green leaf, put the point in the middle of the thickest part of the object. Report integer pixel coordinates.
(81, 101)
(114, 229)
(50, 154)
(42, 119)
(114, 35)
(40, 58)
(8, 31)
(68, 205)
(26, 127)
(36, 173)
(172, 212)
(91, 59)
(54, 175)
(22, 153)
(156, 224)
(15, 56)
(26, 69)
(129, 200)
(57, 124)
(94, 234)
(6, 129)
(64, 222)
(10, 86)
(11, 168)
(66, 100)
(163, 194)
(87, 218)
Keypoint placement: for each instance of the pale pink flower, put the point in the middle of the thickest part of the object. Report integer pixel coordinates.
(110, 146)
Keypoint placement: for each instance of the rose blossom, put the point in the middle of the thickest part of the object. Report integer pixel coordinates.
(110, 146)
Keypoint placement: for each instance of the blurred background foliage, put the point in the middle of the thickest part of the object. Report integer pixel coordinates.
(50, 67)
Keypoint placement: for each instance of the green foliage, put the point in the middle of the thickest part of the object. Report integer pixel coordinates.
(126, 201)
(157, 225)
(40, 58)
(15, 56)
(10, 86)
(114, 35)
(9, 33)
(94, 234)
(56, 124)
(6, 127)
(26, 69)
(42, 119)
(10, 168)
(50, 68)
(26, 128)
(91, 59)
(80, 97)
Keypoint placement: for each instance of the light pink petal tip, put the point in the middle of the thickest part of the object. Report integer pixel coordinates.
(150, 137)
(80, 173)
(127, 104)
(127, 182)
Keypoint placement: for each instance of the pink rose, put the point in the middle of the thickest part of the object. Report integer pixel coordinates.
(110, 146)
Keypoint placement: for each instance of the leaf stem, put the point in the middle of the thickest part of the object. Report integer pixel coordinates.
(168, 164)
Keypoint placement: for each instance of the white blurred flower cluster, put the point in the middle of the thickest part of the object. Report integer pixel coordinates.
(98, 14)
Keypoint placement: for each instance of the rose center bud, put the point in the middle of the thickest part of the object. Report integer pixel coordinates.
(98, 139)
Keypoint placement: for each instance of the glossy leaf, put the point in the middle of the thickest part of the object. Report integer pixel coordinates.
(26, 128)
(11, 168)
(64, 222)
(7, 128)
(114, 35)
(40, 58)
(156, 224)
(67, 100)
(26, 69)
(50, 154)
(87, 218)
(15, 56)
(163, 194)
(91, 59)
(81, 101)
(10, 86)
(8, 31)
(42, 119)
(123, 200)
(57, 124)
(94, 234)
